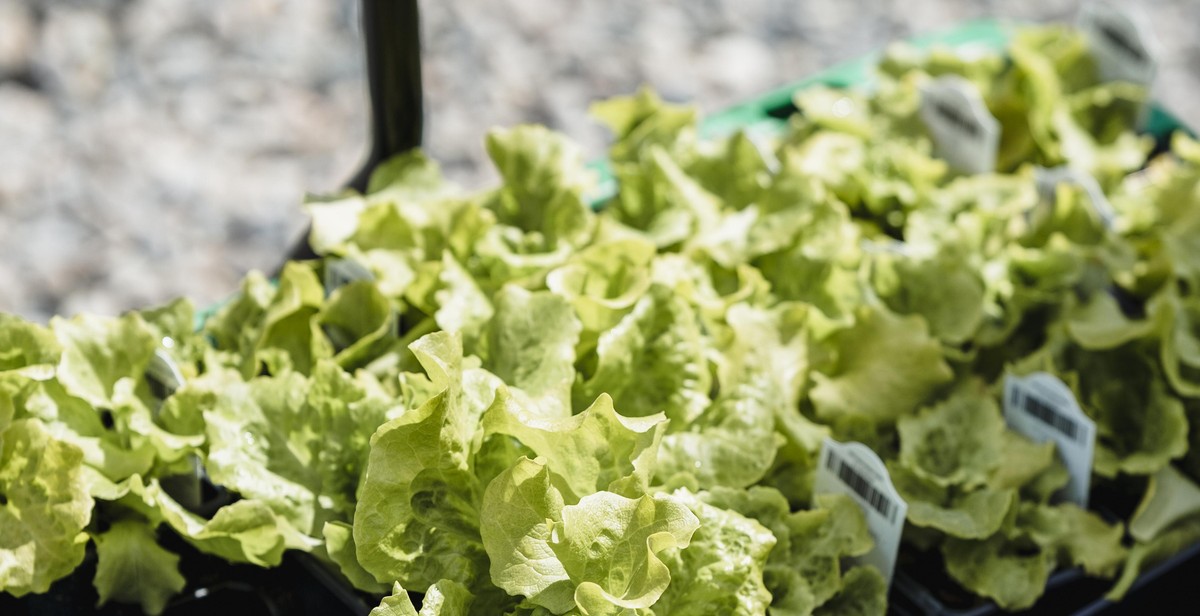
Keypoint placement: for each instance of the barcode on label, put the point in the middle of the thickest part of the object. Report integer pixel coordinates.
(958, 119)
(1047, 414)
(1120, 41)
(855, 481)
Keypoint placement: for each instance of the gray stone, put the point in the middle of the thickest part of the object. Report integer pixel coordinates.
(17, 36)
(77, 51)
(733, 65)
(157, 148)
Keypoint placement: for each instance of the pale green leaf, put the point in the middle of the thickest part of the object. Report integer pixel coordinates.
(132, 568)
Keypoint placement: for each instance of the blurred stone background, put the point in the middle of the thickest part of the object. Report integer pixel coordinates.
(157, 148)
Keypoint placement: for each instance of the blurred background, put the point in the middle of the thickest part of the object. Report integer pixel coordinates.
(157, 148)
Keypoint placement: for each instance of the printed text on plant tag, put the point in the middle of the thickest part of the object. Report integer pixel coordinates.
(1042, 408)
(964, 132)
(855, 470)
(1119, 43)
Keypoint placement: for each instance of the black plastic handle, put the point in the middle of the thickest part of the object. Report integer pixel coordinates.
(392, 37)
(392, 34)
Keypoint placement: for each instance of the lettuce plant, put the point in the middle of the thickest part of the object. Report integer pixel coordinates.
(506, 401)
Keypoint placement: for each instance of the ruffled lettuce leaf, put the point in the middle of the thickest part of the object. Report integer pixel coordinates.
(180, 342)
(734, 169)
(713, 288)
(359, 322)
(1180, 352)
(946, 289)
(271, 327)
(957, 442)
(339, 547)
(544, 180)
(518, 518)
(662, 201)
(864, 593)
(972, 514)
(1013, 566)
(1078, 537)
(806, 244)
(291, 338)
(643, 120)
(246, 451)
(1141, 425)
(297, 444)
(459, 305)
(98, 352)
(408, 176)
(604, 281)
(1001, 570)
(821, 538)
(597, 449)
(600, 555)
(245, 531)
(804, 570)
(116, 453)
(26, 344)
(409, 215)
(443, 598)
(1026, 465)
(885, 367)
(733, 442)
(44, 507)
(1099, 323)
(132, 568)
(417, 517)
(652, 361)
(236, 327)
(702, 578)
(1144, 555)
(531, 347)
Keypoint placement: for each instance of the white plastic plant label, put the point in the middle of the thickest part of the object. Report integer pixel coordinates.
(162, 368)
(855, 470)
(1043, 408)
(341, 272)
(1119, 42)
(1048, 180)
(964, 132)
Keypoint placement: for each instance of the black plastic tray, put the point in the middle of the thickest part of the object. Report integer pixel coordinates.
(922, 586)
(1167, 588)
(299, 586)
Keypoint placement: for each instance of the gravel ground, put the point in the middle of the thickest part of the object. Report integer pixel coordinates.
(157, 148)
